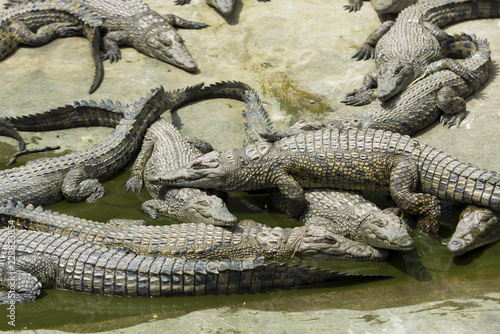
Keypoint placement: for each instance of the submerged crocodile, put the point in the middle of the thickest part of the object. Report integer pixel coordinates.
(347, 213)
(411, 47)
(246, 239)
(416, 174)
(477, 227)
(44, 260)
(225, 7)
(118, 22)
(77, 176)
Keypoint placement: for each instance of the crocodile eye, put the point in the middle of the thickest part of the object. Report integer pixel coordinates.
(166, 42)
(203, 203)
(197, 165)
(398, 69)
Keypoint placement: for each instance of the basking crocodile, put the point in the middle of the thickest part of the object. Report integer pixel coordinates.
(246, 239)
(411, 47)
(476, 227)
(165, 148)
(438, 95)
(76, 176)
(416, 174)
(225, 7)
(119, 22)
(386, 9)
(44, 260)
(349, 214)
(344, 212)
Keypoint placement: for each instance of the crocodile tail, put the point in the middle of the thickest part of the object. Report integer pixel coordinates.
(79, 114)
(445, 12)
(451, 180)
(203, 277)
(256, 119)
(94, 36)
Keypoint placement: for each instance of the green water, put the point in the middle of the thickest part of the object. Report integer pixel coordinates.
(427, 275)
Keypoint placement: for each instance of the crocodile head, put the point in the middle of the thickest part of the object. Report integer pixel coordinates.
(168, 46)
(317, 243)
(208, 210)
(393, 77)
(385, 230)
(225, 7)
(476, 227)
(206, 171)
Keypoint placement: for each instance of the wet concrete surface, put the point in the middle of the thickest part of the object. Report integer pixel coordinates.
(297, 55)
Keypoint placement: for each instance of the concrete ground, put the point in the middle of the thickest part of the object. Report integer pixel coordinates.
(297, 55)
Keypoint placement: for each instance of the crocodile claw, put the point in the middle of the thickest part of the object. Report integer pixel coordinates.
(112, 56)
(365, 52)
(358, 97)
(353, 5)
(452, 120)
(133, 185)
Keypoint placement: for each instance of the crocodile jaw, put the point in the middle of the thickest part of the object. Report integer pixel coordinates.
(225, 7)
(476, 227)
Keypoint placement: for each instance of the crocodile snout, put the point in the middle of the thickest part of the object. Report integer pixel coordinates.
(190, 66)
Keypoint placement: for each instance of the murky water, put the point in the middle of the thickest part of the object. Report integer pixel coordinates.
(427, 274)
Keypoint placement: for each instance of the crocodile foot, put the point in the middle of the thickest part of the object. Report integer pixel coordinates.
(452, 120)
(359, 97)
(353, 5)
(364, 52)
(113, 56)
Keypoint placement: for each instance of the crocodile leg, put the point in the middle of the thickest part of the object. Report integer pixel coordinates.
(24, 281)
(364, 95)
(135, 181)
(452, 65)
(367, 50)
(294, 193)
(110, 43)
(403, 181)
(452, 105)
(81, 184)
(177, 21)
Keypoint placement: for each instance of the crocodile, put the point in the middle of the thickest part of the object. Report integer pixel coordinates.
(477, 227)
(438, 96)
(411, 47)
(76, 176)
(48, 261)
(165, 148)
(343, 212)
(106, 23)
(224, 7)
(386, 9)
(416, 174)
(191, 240)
